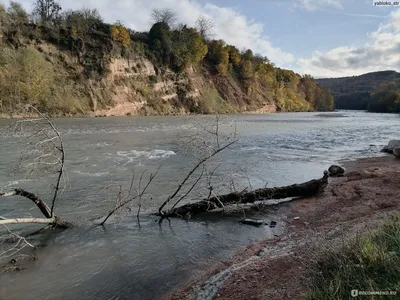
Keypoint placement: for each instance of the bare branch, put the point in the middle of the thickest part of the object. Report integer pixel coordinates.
(205, 27)
(166, 16)
(129, 199)
(201, 162)
(62, 161)
(190, 190)
(28, 220)
(39, 203)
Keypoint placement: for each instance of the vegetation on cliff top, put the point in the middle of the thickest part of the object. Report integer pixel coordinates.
(59, 61)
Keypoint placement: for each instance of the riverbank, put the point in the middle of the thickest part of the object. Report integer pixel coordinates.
(281, 268)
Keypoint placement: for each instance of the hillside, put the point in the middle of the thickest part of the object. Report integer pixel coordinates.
(73, 63)
(356, 92)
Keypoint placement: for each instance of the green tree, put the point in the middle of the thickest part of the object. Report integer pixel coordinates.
(246, 70)
(188, 48)
(386, 98)
(248, 55)
(234, 55)
(218, 55)
(17, 14)
(3, 19)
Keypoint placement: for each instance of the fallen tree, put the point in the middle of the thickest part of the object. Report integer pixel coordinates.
(42, 152)
(305, 189)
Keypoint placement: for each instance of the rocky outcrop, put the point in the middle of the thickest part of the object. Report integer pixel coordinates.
(391, 146)
(336, 171)
(396, 151)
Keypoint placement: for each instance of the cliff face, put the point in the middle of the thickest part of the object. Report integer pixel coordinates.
(65, 75)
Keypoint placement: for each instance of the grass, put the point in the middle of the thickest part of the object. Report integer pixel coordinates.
(212, 103)
(369, 263)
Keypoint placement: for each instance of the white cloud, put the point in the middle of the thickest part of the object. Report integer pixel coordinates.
(231, 26)
(312, 5)
(381, 52)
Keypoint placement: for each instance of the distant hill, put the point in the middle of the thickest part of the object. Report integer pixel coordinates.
(356, 92)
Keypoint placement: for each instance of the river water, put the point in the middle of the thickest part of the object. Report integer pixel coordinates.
(127, 260)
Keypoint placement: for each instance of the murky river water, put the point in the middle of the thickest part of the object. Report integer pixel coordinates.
(127, 261)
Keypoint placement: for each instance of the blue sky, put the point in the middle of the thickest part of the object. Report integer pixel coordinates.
(324, 38)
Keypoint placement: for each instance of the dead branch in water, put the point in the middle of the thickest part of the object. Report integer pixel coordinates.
(39, 203)
(123, 200)
(305, 189)
(42, 152)
(209, 146)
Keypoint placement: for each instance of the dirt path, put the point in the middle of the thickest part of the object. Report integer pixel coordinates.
(279, 269)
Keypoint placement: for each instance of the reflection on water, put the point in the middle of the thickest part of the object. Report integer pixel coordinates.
(131, 262)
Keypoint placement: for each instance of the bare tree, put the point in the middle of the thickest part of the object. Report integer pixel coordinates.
(43, 153)
(208, 141)
(166, 16)
(137, 192)
(205, 27)
(47, 10)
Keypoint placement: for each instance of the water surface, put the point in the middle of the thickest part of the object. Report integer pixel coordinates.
(128, 261)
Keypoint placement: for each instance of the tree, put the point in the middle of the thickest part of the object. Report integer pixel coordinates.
(120, 34)
(17, 14)
(205, 27)
(234, 55)
(3, 18)
(246, 70)
(248, 55)
(386, 98)
(47, 10)
(166, 16)
(218, 55)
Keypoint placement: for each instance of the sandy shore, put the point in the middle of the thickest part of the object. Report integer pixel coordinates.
(281, 268)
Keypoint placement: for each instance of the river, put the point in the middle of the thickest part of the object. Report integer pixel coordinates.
(127, 260)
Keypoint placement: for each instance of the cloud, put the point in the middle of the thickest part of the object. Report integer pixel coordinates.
(381, 52)
(312, 5)
(230, 25)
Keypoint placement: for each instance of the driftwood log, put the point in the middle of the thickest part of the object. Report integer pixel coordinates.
(43, 207)
(305, 189)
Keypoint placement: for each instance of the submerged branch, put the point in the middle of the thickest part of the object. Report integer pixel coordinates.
(39, 203)
(28, 220)
(199, 164)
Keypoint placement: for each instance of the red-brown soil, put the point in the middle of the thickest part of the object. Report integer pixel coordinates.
(367, 195)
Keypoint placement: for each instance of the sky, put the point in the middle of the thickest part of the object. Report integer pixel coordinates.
(324, 38)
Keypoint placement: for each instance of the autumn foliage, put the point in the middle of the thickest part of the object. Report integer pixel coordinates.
(120, 34)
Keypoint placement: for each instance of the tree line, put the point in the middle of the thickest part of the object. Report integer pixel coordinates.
(386, 99)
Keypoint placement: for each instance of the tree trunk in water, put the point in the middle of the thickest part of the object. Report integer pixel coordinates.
(39, 203)
(305, 189)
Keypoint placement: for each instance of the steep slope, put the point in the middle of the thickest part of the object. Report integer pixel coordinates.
(356, 92)
(79, 65)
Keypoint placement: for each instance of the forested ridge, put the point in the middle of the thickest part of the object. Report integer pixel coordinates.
(375, 92)
(69, 62)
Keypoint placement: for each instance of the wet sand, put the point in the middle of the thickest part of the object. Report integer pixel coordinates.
(280, 268)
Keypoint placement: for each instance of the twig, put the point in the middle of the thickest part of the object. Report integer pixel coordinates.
(190, 174)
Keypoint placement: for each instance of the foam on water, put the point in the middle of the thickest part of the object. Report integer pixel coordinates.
(88, 174)
(152, 154)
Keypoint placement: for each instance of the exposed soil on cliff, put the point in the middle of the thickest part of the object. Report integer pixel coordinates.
(281, 268)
